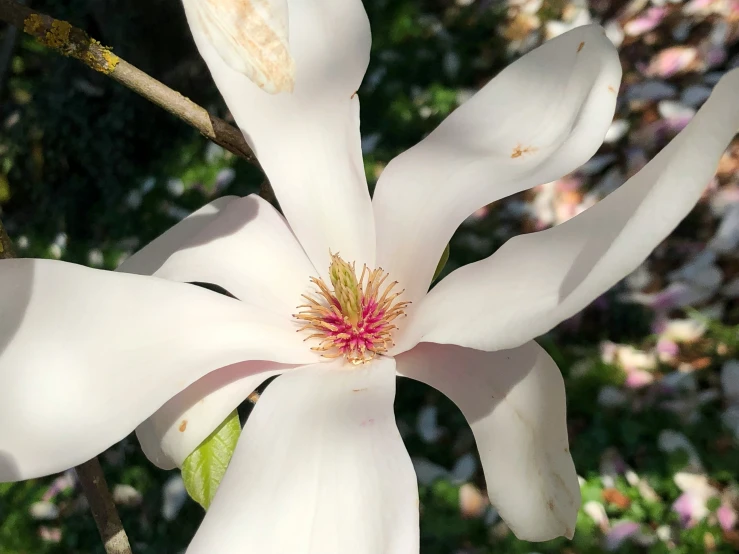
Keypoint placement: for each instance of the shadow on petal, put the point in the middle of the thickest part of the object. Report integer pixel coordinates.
(8, 467)
(15, 296)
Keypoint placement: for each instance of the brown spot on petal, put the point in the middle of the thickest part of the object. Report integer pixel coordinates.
(580, 47)
(519, 151)
(353, 95)
(550, 505)
(183, 426)
(610, 88)
(359, 390)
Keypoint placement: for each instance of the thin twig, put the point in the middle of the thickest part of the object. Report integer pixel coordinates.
(90, 474)
(71, 41)
(103, 508)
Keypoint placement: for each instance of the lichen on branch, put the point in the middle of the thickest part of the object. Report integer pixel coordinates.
(70, 41)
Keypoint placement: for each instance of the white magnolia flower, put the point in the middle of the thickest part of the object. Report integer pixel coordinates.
(86, 356)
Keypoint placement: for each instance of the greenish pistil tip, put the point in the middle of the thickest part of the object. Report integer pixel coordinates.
(346, 287)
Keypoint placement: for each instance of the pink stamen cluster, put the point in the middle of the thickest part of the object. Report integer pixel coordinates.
(361, 336)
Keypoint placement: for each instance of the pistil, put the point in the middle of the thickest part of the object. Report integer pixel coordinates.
(354, 319)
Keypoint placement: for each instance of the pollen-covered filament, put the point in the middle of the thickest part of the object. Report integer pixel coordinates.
(353, 318)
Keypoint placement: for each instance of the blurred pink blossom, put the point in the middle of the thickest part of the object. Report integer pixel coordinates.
(672, 61)
(667, 350)
(726, 516)
(638, 378)
(50, 534)
(691, 506)
(645, 22)
(620, 533)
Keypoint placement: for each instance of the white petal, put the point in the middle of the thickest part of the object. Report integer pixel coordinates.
(514, 401)
(308, 141)
(539, 119)
(245, 246)
(320, 469)
(177, 428)
(87, 355)
(150, 258)
(537, 280)
(250, 251)
(251, 38)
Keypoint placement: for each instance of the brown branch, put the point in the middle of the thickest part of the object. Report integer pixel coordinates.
(102, 507)
(71, 41)
(90, 474)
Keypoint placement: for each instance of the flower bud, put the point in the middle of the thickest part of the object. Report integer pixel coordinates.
(252, 38)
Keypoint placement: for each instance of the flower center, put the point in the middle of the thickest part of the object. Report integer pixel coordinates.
(354, 319)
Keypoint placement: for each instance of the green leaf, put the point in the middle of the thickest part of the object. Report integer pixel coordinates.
(713, 503)
(442, 262)
(203, 470)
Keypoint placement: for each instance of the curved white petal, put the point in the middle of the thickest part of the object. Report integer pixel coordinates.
(245, 246)
(177, 428)
(87, 355)
(320, 468)
(150, 258)
(250, 251)
(540, 118)
(537, 280)
(514, 401)
(308, 141)
(251, 37)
